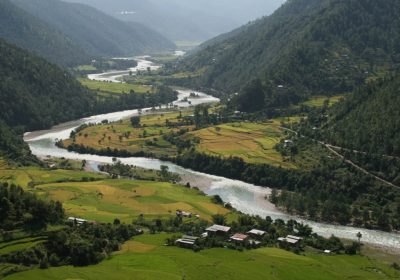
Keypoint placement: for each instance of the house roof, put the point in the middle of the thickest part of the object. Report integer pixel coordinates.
(216, 228)
(294, 237)
(239, 237)
(290, 239)
(190, 237)
(185, 241)
(256, 232)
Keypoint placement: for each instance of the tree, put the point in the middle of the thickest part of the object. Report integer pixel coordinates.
(219, 219)
(164, 171)
(135, 121)
(359, 236)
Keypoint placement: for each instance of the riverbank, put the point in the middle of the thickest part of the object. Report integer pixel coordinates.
(245, 197)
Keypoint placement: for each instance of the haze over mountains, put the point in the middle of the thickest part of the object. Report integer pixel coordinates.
(70, 34)
(183, 20)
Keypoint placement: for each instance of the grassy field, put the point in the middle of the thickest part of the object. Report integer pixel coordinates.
(319, 101)
(117, 88)
(20, 244)
(254, 142)
(86, 68)
(147, 258)
(26, 176)
(106, 200)
(115, 136)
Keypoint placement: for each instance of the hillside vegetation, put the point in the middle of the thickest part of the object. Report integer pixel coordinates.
(97, 33)
(26, 31)
(307, 47)
(33, 91)
(368, 120)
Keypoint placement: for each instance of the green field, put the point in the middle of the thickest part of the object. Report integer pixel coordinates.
(107, 200)
(254, 142)
(26, 176)
(139, 139)
(117, 88)
(318, 101)
(86, 68)
(20, 244)
(147, 258)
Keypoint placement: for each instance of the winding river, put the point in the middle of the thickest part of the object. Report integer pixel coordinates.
(243, 196)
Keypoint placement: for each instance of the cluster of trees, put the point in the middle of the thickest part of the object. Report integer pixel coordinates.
(35, 94)
(119, 169)
(202, 117)
(310, 47)
(23, 210)
(331, 192)
(367, 120)
(13, 148)
(132, 100)
(78, 245)
(243, 224)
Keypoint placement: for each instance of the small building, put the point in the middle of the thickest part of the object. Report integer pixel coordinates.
(184, 214)
(291, 239)
(187, 241)
(288, 143)
(255, 233)
(77, 220)
(255, 243)
(239, 238)
(218, 230)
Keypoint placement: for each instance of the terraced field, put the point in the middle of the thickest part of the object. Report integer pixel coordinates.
(319, 101)
(147, 258)
(106, 200)
(123, 136)
(254, 142)
(28, 176)
(118, 88)
(20, 244)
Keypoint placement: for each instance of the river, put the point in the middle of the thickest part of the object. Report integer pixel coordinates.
(248, 198)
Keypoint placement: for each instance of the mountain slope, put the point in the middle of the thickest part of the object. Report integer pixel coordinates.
(97, 33)
(311, 46)
(35, 94)
(26, 31)
(368, 120)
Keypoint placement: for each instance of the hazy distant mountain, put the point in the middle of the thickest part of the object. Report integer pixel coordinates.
(97, 33)
(26, 31)
(184, 20)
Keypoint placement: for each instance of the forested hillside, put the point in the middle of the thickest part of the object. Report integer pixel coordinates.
(28, 32)
(36, 94)
(307, 47)
(97, 33)
(13, 148)
(368, 120)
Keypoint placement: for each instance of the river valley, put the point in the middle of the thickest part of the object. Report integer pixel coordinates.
(245, 197)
